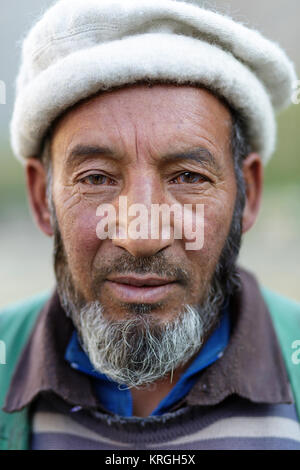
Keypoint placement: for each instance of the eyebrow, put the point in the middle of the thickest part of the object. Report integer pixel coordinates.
(199, 154)
(81, 152)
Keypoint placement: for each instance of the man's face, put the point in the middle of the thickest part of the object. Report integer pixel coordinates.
(158, 145)
(143, 307)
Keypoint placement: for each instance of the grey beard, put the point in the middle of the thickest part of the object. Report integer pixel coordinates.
(136, 351)
(140, 349)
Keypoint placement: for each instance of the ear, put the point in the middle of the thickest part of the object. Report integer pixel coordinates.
(253, 176)
(36, 179)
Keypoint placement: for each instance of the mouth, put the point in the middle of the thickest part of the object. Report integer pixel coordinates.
(141, 289)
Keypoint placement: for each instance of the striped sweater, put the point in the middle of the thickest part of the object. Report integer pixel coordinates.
(233, 424)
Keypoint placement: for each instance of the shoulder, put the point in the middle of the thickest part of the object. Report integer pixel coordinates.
(19, 316)
(285, 312)
(16, 323)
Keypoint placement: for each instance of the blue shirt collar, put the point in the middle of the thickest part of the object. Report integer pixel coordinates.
(117, 398)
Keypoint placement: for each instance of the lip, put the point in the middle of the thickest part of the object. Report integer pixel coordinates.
(140, 289)
(141, 281)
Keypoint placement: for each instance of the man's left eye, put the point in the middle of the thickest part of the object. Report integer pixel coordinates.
(97, 180)
(189, 177)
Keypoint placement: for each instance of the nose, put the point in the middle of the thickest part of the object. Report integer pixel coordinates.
(140, 247)
(139, 228)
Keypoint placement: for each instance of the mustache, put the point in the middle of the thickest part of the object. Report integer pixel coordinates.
(157, 264)
(126, 263)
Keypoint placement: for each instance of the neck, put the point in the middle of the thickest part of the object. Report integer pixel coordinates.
(145, 400)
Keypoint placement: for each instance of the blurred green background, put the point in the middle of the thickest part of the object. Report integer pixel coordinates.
(271, 249)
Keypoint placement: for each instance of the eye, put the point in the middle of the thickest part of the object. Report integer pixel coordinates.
(97, 180)
(189, 177)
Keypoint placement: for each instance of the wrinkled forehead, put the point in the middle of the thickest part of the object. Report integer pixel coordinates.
(163, 117)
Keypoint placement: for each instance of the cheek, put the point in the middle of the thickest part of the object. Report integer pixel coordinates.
(80, 240)
(214, 231)
(217, 223)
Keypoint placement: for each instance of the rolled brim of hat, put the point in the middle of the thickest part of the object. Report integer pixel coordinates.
(150, 56)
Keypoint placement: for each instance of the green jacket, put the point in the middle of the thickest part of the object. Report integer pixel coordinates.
(17, 322)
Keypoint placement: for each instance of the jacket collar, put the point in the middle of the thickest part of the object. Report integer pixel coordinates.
(252, 366)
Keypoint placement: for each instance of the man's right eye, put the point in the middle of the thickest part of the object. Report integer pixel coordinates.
(97, 180)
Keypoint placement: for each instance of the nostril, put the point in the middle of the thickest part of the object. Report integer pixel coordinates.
(142, 247)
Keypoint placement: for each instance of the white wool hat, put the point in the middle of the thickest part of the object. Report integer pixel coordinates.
(80, 47)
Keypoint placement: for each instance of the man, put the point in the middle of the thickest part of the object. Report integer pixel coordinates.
(155, 342)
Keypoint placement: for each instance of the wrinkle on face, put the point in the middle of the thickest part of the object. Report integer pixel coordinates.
(141, 125)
